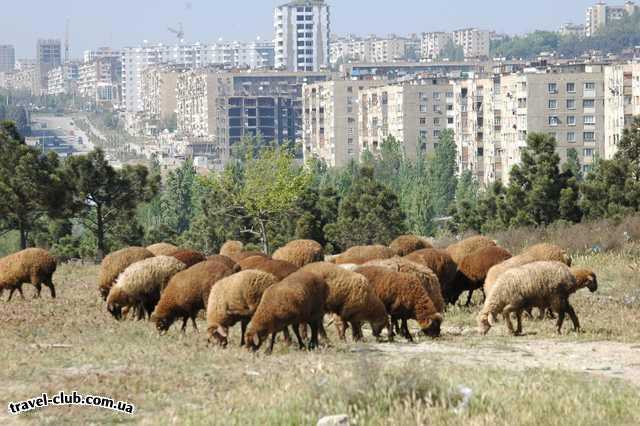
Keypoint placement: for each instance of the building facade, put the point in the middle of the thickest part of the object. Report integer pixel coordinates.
(100, 80)
(159, 94)
(374, 49)
(48, 57)
(63, 80)
(7, 58)
(302, 34)
(433, 43)
(600, 15)
(474, 42)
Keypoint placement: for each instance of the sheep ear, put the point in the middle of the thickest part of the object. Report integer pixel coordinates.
(255, 339)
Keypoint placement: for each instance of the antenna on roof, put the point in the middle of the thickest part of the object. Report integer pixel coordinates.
(66, 42)
(179, 32)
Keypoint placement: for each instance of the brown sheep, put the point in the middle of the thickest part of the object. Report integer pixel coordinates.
(404, 298)
(235, 298)
(231, 247)
(226, 261)
(362, 254)
(298, 299)
(237, 257)
(187, 293)
(440, 262)
(405, 244)
(278, 268)
(463, 248)
(300, 252)
(162, 249)
(472, 271)
(351, 298)
(189, 257)
(115, 263)
(538, 252)
(32, 265)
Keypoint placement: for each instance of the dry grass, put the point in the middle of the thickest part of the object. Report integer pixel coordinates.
(180, 380)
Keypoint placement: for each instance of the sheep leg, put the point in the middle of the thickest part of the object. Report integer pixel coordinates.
(185, 320)
(506, 313)
(296, 331)
(574, 318)
(287, 336)
(469, 298)
(193, 321)
(11, 294)
(405, 331)
(356, 331)
(243, 328)
(273, 342)
(341, 328)
(313, 343)
(560, 321)
(38, 287)
(49, 283)
(519, 322)
(397, 327)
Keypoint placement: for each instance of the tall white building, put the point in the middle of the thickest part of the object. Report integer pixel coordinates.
(474, 42)
(599, 16)
(7, 58)
(302, 31)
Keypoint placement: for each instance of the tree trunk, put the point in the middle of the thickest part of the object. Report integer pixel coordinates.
(263, 235)
(100, 233)
(23, 236)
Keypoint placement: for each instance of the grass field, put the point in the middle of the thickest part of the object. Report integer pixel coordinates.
(72, 343)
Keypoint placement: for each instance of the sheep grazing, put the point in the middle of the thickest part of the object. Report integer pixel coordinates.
(545, 284)
(278, 268)
(440, 262)
(427, 278)
(539, 252)
(234, 299)
(231, 247)
(300, 252)
(472, 271)
(461, 249)
(237, 257)
(162, 249)
(141, 284)
(189, 257)
(362, 254)
(187, 293)
(33, 265)
(404, 298)
(298, 299)
(405, 244)
(114, 263)
(351, 298)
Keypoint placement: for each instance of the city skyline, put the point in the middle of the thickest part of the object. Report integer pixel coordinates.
(117, 29)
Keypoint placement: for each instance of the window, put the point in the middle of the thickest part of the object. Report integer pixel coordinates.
(553, 104)
(436, 95)
(436, 121)
(590, 86)
(571, 104)
(589, 120)
(587, 168)
(571, 120)
(436, 108)
(449, 94)
(423, 135)
(571, 88)
(423, 121)
(589, 136)
(588, 103)
(449, 120)
(571, 137)
(436, 133)
(553, 88)
(588, 152)
(553, 120)
(423, 108)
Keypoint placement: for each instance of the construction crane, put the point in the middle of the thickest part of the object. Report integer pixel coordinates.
(179, 32)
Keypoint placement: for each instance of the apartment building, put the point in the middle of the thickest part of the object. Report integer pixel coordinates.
(474, 42)
(622, 103)
(433, 43)
(600, 15)
(100, 80)
(330, 120)
(101, 53)
(21, 80)
(373, 49)
(63, 79)
(301, 35)
(415, 113)
(572, 30)
(7, 58)
(159, 94)
(48, 57)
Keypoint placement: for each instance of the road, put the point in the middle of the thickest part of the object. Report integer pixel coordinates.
(60, 134)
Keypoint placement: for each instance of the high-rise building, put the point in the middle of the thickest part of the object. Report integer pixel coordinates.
(374, 49)
(48, 57)
(474, 42)
(101, 53)
(302, 34)
(63, 80)
(7, 58)
(599, 16)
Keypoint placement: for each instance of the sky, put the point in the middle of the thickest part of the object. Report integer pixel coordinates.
(120, 23)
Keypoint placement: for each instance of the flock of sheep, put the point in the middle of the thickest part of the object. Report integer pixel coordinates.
(299, 285)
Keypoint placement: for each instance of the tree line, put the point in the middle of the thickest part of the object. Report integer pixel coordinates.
(83, 207)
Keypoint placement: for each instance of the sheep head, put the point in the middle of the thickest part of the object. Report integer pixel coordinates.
(162, 323)
(220, 335)
(483, 323)
(117, 300)
(585, 278)
(431, 327)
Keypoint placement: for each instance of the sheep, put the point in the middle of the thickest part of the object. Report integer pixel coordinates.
(350, 298)
(187, 293)
(189, 257)
(225, 260)
(298, 299)
(234, 299)
(231, 247)
(300, 252)
(544, 284)
(467, 246)
(405, 244)
(363, 254)
(32, 265)
(162, 249)
(428, 279)
(114, 263)
(142, 283)
(539, 252)
(404, 298)
(472, 271)
(237, 257)
(278, 268)
(440, 262)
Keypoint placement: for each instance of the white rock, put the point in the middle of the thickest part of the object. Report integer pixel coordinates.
(338, 420)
